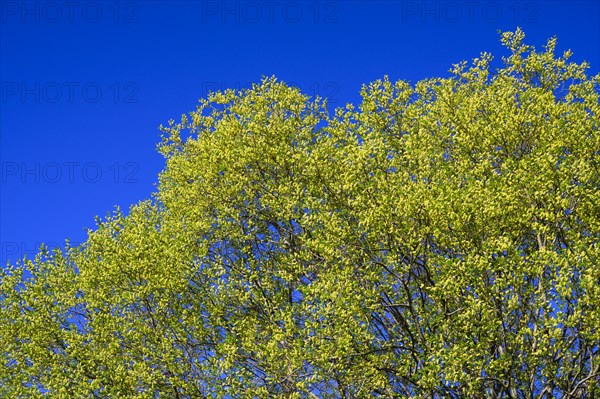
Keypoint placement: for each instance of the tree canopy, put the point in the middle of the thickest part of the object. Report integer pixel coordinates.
(437, 240)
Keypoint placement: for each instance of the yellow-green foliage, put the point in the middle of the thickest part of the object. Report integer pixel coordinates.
(438, 240)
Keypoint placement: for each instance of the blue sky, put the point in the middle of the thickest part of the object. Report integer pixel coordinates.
(84, 85)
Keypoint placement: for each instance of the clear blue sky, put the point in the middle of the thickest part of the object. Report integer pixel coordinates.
(85, 84)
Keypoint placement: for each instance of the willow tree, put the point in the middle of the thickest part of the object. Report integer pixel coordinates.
(438, 240)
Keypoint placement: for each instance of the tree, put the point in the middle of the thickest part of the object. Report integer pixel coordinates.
(439, 240)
